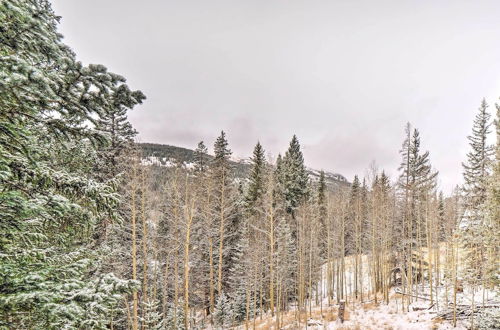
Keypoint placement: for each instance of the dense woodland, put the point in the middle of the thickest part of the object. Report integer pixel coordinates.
(93, 238)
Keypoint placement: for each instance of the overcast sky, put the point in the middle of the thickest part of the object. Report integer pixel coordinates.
(345, 76)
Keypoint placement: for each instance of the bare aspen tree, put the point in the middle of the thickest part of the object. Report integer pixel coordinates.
(211, 275)
(221, 232)
(143, 191)
(133, 217)
(188, 216)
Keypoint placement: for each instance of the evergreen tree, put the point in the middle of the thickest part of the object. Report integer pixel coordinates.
(441, 217)
(279, 179)
(322, 213)
(295, 178)
(417, 178)
(256, 185)
(201, 158)
(50, 204)
(115, 126)
(416, 183)
(220, 163)
(476, 169)
(474, 228)
(224, 206)
(223, 314)
(175, 319)
(353, 225)
(152, 318)
(322, 197)
(422, 177)
(240, 277)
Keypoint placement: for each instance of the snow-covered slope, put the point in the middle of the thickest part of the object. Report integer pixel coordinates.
(168, 156)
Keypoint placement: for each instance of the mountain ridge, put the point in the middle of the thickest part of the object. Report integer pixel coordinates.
(165, 155)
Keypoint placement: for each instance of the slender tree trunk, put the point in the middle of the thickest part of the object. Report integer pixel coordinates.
(271, 260)
(135, 321)
(455, 282)
(189, 216)
(212, 287)
(221, 234)
(144, 245)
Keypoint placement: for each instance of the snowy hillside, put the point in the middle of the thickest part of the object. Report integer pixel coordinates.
(168, 156)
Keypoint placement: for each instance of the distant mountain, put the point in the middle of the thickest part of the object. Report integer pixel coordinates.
(164, 155)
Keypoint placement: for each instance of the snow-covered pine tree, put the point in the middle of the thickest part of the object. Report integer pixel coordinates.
(200, 157)
(113, 124)
(152, 317)
(175, 318)
(441, 218)
(477, 166)
(240, 276)
(322, 214)
(50, 204)
(321, 197)
(286, 263)
(295, 178)
(204, 232)
(423, 183)
(256, 183)
(258, 214)
(473, 225)
(416, 183)
(114, 158)
(224, 205)
(277, 225)
(223, 313)
(278, 183)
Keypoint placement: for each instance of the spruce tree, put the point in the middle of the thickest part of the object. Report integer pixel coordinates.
(279, 179)
(152, 318)
(322, 213)
(240, 277)
(474, 227)
(50, 203)
(321, 199)
(175, 319)
(256, 185)
(416, 183)
(295, 177)
(477, 167)
(200, 158)
(224, 209)
(223, 314)
(114, 124)
(353, 226)
(222, 154)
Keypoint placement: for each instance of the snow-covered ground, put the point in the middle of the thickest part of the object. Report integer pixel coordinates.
(370, 315)
(362, 316)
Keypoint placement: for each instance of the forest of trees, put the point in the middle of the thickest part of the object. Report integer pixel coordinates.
(91, 238)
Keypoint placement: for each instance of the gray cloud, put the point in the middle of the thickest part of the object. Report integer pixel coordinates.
(345, 76)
